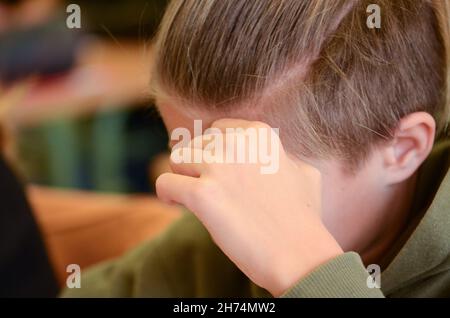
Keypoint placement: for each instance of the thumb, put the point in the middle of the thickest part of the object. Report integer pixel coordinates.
(175, 188)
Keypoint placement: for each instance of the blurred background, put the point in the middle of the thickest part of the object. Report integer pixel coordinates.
(81, 117)
(78, 126)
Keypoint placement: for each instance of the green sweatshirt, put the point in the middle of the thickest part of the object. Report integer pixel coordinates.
(184, 262)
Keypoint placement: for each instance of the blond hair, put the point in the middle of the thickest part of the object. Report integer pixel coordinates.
(334, 86)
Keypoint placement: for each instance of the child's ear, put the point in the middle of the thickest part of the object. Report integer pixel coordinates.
(411, 145)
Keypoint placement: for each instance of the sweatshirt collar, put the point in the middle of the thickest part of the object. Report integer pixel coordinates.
(429, 244)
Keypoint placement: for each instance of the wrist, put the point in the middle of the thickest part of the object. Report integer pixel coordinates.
(299, 265)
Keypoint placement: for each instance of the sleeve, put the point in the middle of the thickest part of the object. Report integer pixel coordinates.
(343, 277)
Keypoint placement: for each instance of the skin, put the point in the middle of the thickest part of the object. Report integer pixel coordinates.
(308, 212)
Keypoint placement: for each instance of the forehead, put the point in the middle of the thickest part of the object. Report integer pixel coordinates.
(175, 115)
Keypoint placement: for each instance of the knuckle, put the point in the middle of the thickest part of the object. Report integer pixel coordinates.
(161, 180)
(313, 172)
(205, 188)
(220, 122)
(160, 184)
(199, 190)
(199, 194)
(260, 124)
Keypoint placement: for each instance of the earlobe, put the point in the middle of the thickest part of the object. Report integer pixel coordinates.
(411, 144)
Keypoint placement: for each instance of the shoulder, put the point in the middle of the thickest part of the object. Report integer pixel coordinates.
(182, 262)
(191, 263)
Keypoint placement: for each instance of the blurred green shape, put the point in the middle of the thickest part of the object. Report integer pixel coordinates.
(63, 152)
(108, 151)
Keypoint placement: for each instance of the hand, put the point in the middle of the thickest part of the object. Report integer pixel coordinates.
(268, 224)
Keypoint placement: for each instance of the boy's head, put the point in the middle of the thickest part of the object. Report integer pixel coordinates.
(366, 100)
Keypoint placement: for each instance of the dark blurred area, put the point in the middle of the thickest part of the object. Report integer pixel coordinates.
(45, 49)
(80, 115)
(81, 142)
(132, 19)
(47, 46)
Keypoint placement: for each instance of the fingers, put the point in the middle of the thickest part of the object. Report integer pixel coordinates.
(248, 127)
(219, 146)
(225, 123)
(190, 160)
(187, 161)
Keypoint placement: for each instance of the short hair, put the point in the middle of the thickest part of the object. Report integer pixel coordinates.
(334, 86)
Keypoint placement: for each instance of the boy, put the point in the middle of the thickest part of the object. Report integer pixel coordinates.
(358, 110)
